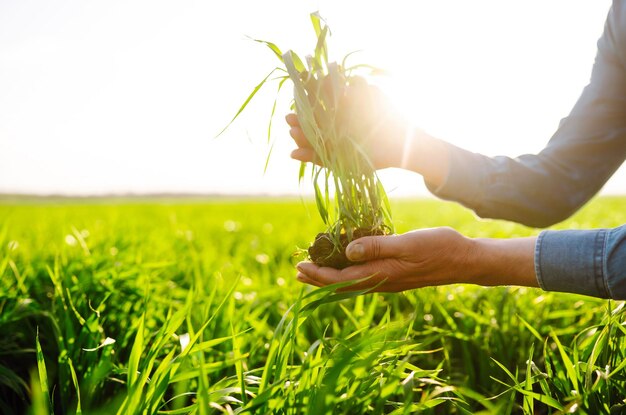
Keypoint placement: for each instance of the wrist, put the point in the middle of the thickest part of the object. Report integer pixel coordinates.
(425, 155)
(503, 262)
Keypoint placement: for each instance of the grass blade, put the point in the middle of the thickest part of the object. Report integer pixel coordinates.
(43, 374)
(272, 47)
(135, 355)
(245, 103)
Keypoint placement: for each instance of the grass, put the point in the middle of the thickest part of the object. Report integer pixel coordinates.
(192, 308)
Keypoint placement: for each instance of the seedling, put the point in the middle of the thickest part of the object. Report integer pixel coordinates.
(349, 196)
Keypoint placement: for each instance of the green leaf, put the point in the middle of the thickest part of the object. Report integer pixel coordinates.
(531, 329)
(272, 46)
(43, 374)
(76, 386)
(301, 172)
(135, 355)
(528, 386)
(295, 61)
(319, 201)
(321, 53)
(599, 346)
(316, 20)
(239, 365)
(569, 366)
(245, 104)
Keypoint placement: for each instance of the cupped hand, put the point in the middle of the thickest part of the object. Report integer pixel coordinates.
(420, 258)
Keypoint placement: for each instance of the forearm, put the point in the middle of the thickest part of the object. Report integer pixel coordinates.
(503, 262)
(588, 262)
(543, 189)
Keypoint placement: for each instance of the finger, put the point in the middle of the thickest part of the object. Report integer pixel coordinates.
(372, 278)
(298, 136)
(368, 248)
(304, 154)
(304, 279)
(292, 120)
(322, 276)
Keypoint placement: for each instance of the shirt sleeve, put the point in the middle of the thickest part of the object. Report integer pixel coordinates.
(588, 147)
(589, 262)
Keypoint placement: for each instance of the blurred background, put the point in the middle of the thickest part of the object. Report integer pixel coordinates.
(126, 97)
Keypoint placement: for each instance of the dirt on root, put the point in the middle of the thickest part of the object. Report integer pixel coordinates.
(324, 253)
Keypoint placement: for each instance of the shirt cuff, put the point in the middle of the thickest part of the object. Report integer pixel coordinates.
(572, 261)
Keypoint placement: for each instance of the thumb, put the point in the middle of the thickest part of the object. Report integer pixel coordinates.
(372, 247)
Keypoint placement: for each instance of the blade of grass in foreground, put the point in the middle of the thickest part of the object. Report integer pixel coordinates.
(567, 362)
(239, 365)
(43, 375)
(528, 399)
(76, 386)
(135, 355)
(524, 392)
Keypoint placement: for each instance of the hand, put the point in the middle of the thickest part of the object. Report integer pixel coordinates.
(389, 140)
(429, 257)
(365, 114)
(399, 262)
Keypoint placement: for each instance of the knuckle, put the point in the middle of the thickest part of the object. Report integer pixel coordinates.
(375, 248)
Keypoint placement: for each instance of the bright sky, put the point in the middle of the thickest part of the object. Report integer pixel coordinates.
(126, 96)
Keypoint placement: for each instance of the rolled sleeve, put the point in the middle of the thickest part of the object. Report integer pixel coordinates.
(588, 262)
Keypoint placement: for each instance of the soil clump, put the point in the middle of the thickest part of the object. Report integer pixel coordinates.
(324, 253)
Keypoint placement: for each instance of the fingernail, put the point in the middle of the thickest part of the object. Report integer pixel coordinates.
(300, 268)
(355, 251)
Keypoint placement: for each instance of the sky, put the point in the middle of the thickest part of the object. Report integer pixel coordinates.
(115, 96)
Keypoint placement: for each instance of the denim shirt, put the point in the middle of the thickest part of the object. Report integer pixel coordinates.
(542, 189)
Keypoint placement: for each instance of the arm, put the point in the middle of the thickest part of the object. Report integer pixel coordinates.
(589, 145)
(430, 257)
(584, 262)
(536, 190)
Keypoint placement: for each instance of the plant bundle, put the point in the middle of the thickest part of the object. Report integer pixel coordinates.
(349, 196)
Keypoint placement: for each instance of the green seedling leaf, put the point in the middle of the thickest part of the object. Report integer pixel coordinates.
(316, 20)
(531, 329)
(320, 202)
(245, 103)
(76, 387)
(528, 384)
(321, 53)
(567, 362)
(43, 374)
(272, 47)
(135, 355)
(359, 199)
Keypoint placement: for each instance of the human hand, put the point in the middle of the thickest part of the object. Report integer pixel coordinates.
(365, 114)
(429, 257)
(395, 263)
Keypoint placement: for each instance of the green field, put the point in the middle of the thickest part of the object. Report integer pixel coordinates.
(178, 307)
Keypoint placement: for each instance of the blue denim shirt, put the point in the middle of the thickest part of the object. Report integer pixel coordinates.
(542, 189)
(591, 262)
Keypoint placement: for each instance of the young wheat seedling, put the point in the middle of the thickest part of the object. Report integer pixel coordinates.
(349, 196)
